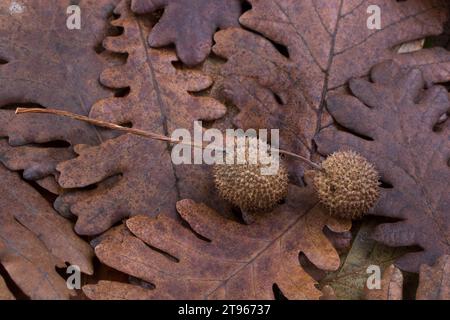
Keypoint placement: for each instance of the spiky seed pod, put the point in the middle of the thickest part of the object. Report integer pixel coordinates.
(348, 185)
(244, 185)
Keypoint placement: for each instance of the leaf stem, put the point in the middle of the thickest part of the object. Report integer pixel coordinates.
(142, 133)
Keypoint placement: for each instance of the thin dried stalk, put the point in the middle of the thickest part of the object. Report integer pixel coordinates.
(142, 133)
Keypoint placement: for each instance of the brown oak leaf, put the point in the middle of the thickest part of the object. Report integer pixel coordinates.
(110, 290)
(316, 47)
(435, 280)
(159, 100)
(46, 63)
(434, 283)
(351, 279)
(391, 286)
(34, 240)
(5, 294)
(190, 25)
(36, 162)
(221, 259)
(394, 117)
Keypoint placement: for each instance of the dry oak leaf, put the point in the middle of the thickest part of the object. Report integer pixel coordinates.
(34, 240)
(434, 283)
(159, 100)
(350, 281)
(391, 286)
(223, 259)
(189, 25)
(110, 290)
(395, 117)
(327, 42)
(43, 62)
(5, 294)
(36, 162)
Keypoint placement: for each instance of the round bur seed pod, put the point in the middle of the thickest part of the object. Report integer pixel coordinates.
(244, 185)
(347, 185)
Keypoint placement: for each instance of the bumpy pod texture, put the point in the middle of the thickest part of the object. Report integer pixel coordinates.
(348, 185)
(244, 185)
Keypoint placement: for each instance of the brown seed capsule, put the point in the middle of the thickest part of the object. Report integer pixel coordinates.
(348, 185)
(245, 186)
